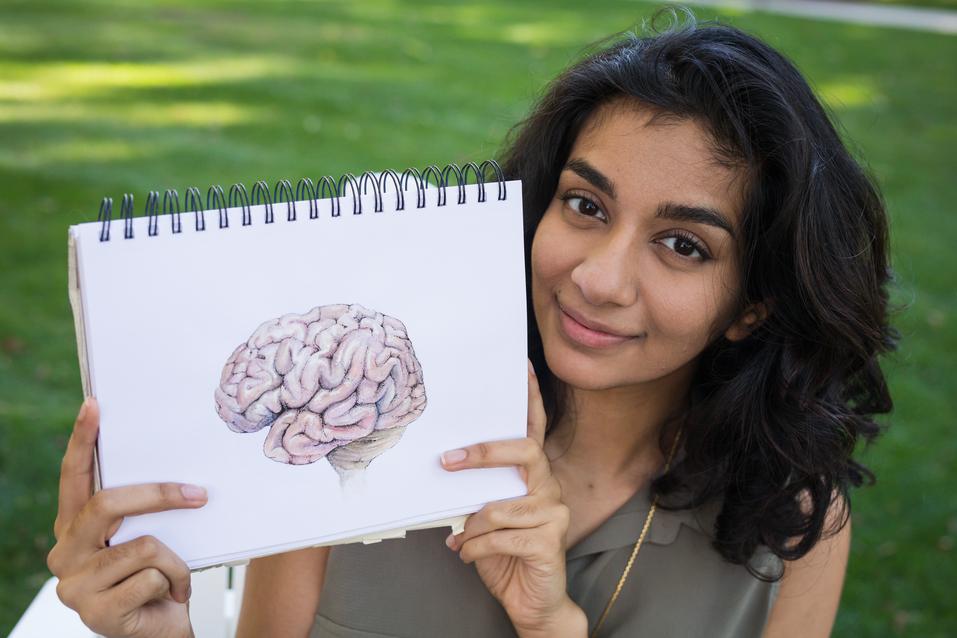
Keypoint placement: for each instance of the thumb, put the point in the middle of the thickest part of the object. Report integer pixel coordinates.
(536, 409)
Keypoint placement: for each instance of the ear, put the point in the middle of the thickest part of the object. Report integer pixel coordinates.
(750, 319)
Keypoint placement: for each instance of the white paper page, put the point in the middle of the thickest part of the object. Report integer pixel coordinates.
(165, 312)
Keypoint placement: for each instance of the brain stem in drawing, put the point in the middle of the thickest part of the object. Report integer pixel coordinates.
(339, 382)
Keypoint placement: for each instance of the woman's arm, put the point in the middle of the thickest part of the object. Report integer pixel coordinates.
(811, 587)
(281, 593)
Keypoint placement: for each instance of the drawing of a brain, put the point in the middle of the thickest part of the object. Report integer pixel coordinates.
(340, 382)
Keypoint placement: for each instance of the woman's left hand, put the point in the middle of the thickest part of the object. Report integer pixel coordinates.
(518, 545)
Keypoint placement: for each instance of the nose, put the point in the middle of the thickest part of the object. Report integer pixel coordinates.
(608, 274)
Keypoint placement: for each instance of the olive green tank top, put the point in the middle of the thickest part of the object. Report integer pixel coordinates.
(678, 586)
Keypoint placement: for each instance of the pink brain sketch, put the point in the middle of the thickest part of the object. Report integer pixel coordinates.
(339, 382)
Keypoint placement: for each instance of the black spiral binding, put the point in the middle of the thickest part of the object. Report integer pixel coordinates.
(324, 188)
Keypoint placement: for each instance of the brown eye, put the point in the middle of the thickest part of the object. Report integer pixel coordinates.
(586, 207)
(583, 206)
(685, 247)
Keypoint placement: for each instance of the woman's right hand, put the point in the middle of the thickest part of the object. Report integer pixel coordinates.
(139, 588)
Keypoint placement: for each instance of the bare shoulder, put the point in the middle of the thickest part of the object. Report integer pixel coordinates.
(281, 593)
(810, 589)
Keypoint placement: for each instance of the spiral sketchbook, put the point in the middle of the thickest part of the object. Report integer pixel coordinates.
(305, 354)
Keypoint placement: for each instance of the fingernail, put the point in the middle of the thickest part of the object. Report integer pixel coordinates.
(454, 456)
(83, 409)
(450, 541)
(531, 368)
(193, 492)
(189, 591)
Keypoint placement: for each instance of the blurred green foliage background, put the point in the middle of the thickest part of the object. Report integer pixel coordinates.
(102, 98)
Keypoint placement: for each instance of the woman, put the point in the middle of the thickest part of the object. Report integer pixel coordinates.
(707, 272)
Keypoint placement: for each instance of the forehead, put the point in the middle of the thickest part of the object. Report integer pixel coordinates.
(661, 158)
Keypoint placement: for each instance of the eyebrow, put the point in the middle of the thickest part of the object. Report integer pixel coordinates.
(592, 175)
(694, 214)
(666, 210)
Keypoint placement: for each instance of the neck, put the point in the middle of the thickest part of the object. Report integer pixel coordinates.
(613, 435)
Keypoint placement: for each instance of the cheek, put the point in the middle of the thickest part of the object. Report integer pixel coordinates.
(686, 311)
(551, 257)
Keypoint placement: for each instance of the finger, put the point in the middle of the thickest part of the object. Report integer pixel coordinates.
(76, 470)
(519, 513)
(536, 409)
(107, 507)
(527, 544)
(137, 590)
(525, 453)
(111, 565)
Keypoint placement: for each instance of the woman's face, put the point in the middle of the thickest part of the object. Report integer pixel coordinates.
(639, 244)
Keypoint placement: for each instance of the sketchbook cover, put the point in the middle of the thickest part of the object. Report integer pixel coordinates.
(308, 373)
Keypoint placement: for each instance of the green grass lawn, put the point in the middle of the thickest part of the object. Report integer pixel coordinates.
(104, 98)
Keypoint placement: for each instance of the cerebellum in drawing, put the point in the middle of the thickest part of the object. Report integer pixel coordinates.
(339, 382)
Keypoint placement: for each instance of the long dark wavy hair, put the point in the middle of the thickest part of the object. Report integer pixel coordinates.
(773, 419)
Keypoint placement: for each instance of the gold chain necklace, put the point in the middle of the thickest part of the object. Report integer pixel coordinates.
(641, 539)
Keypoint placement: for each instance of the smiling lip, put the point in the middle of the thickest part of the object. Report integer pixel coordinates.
(580, 333)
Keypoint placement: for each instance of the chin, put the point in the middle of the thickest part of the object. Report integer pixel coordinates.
(596, 373)
(582, 370)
